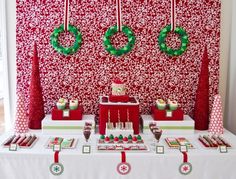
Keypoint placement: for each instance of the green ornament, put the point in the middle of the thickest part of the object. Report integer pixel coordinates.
(66, 50)
(183, 37)
(126, 49)
(102, 137)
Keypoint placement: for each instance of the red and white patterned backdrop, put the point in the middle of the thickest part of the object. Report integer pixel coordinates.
(149, 73)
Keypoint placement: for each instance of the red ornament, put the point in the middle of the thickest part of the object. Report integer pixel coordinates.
(201, 111)
(36, 105)
(22, 120)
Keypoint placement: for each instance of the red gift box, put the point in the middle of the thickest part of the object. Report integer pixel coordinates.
(76, 114)
(105, 106)
(123, 98)
(165, 115)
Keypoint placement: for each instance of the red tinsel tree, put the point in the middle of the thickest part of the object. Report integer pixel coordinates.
(201, 110)
(36, 105)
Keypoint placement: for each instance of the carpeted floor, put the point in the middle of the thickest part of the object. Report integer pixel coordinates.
(2, 124)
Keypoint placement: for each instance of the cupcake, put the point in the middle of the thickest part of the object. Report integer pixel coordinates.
(120, 137)
(88, 124)
(116, 140)
(173, 105)
(130, 138)
(161, 104)
(102, 138)
(73, 104)
(157, 134)
(87, 128)
(135, 140)
(152, 124)
(107, 139)
(111, 138)
(139, 138)
(61, 104)
(62, 100)
(125, 140)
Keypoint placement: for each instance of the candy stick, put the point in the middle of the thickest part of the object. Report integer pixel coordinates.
(204, 141)
(226, 143)
(15, 139)
(27, 139)
(31, 141)
(209, 141)
(9, 140)
(20, 139)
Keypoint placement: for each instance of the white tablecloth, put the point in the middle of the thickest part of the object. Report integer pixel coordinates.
(34, 163)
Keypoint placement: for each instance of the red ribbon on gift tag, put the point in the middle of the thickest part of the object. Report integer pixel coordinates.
(56, 157)
(185, 157)
(123, 157)
(185, 168)
(123, 168)
(56, 168)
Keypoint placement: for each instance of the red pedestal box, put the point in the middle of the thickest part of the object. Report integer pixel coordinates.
(132, 106)
(165, 115)
(72, 115)
(124, 98)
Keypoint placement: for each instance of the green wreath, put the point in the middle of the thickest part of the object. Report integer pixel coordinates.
(183, 37)
(127, 48)
(66, 50)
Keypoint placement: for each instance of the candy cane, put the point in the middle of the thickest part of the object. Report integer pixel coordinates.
(173, 14)
(118, 15)
(66, 14)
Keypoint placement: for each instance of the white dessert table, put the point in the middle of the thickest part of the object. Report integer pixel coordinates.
(34, 163)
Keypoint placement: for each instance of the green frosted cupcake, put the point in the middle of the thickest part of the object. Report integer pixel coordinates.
(73, 104)
(161, 104)
(173, 105)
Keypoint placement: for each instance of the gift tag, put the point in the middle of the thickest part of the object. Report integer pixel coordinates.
(223, 149)
(183, 148)
(13, 147)
(160, 150)
(66, 113)
(57, 147)
(169, 113)
(86, 149)
(56, 168)
(123, 168)
(185, 168)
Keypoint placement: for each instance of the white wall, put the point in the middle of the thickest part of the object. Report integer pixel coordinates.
(231, 92)
(11, 53)
(224, 57)
(5, 82)
(226, 14)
